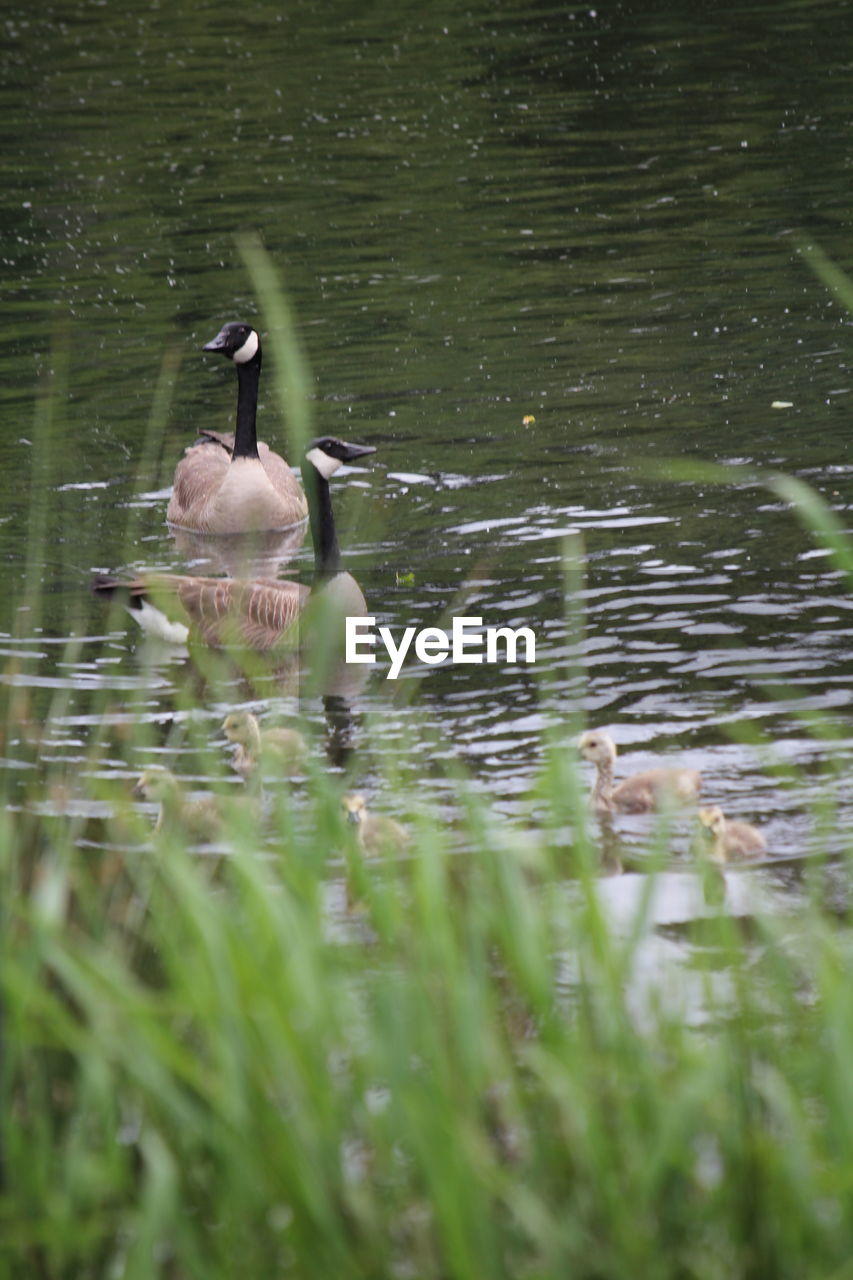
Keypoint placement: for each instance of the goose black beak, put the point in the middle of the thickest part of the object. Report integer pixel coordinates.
(217, 343)
(352, 451)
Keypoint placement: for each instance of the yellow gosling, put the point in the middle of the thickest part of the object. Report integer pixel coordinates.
(276, 750)
(730, 840)
(376, 832)
(645, 792)
(199, 817)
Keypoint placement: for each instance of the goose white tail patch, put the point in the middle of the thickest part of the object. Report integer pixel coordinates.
(155, 623)
(322, 462)
(248, 350)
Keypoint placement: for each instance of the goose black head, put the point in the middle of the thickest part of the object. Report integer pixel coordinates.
(236, 340)
(326, 454)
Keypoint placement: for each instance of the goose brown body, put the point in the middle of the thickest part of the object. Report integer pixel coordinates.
(215, 493)
(258, 615)
(644, 792)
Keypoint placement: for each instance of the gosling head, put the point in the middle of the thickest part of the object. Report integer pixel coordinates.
(238, 341)
(156, 783)
(237, 726)
(713, 820)
(355, 807)
(597, 746)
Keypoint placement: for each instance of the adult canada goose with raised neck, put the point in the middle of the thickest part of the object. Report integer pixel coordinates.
(644, 792)
(255, 613)
(228, 484)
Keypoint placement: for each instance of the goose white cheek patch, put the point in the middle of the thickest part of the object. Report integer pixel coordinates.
(248, 350)
(322, 462)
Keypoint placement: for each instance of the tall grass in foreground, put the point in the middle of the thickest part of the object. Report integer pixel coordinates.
(209, 1072)
(297, 1061)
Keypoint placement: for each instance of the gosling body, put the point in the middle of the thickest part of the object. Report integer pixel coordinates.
(199, 817)
(376, 833)
(731, 840)
(644, 792)
(277, 749)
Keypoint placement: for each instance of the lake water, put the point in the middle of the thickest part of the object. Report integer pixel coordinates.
(535, 253)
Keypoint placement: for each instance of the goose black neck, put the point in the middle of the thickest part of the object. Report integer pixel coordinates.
(327, 553)
(246, 434)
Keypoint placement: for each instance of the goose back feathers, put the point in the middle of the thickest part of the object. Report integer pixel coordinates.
(217, 611)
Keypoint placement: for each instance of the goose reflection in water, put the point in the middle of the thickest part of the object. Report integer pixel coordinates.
(240, 555)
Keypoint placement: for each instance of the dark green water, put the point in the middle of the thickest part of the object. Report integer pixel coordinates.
(587, 216)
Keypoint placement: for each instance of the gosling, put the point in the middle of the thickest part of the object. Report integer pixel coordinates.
(645, 792)
(277, 750)
(199, 818)
(730, 840)
(376, 832)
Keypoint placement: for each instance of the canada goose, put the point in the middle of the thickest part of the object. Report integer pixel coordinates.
(730, 839)
(376, 832)
(256, 613)
(644, 792)
(233, 484)
(277, 749)
(200, 817)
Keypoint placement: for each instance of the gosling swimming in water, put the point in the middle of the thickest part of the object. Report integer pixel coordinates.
(376, 832)
(730, 840)
(644, 792)
(198, 817)
(277, 749)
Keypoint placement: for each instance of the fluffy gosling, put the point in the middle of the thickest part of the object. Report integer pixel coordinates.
(645, 792)
(277, 749)
(730, 840)
(199, 817)
(376, 832)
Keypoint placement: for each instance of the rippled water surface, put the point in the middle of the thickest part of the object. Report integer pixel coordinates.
(535, 254)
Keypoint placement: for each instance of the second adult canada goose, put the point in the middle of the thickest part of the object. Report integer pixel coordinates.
(644, 792)
(730, 839)
(256, 613)
(228, 484)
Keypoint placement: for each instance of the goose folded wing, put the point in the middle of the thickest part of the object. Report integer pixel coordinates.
(199, 473)
(228, 611)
